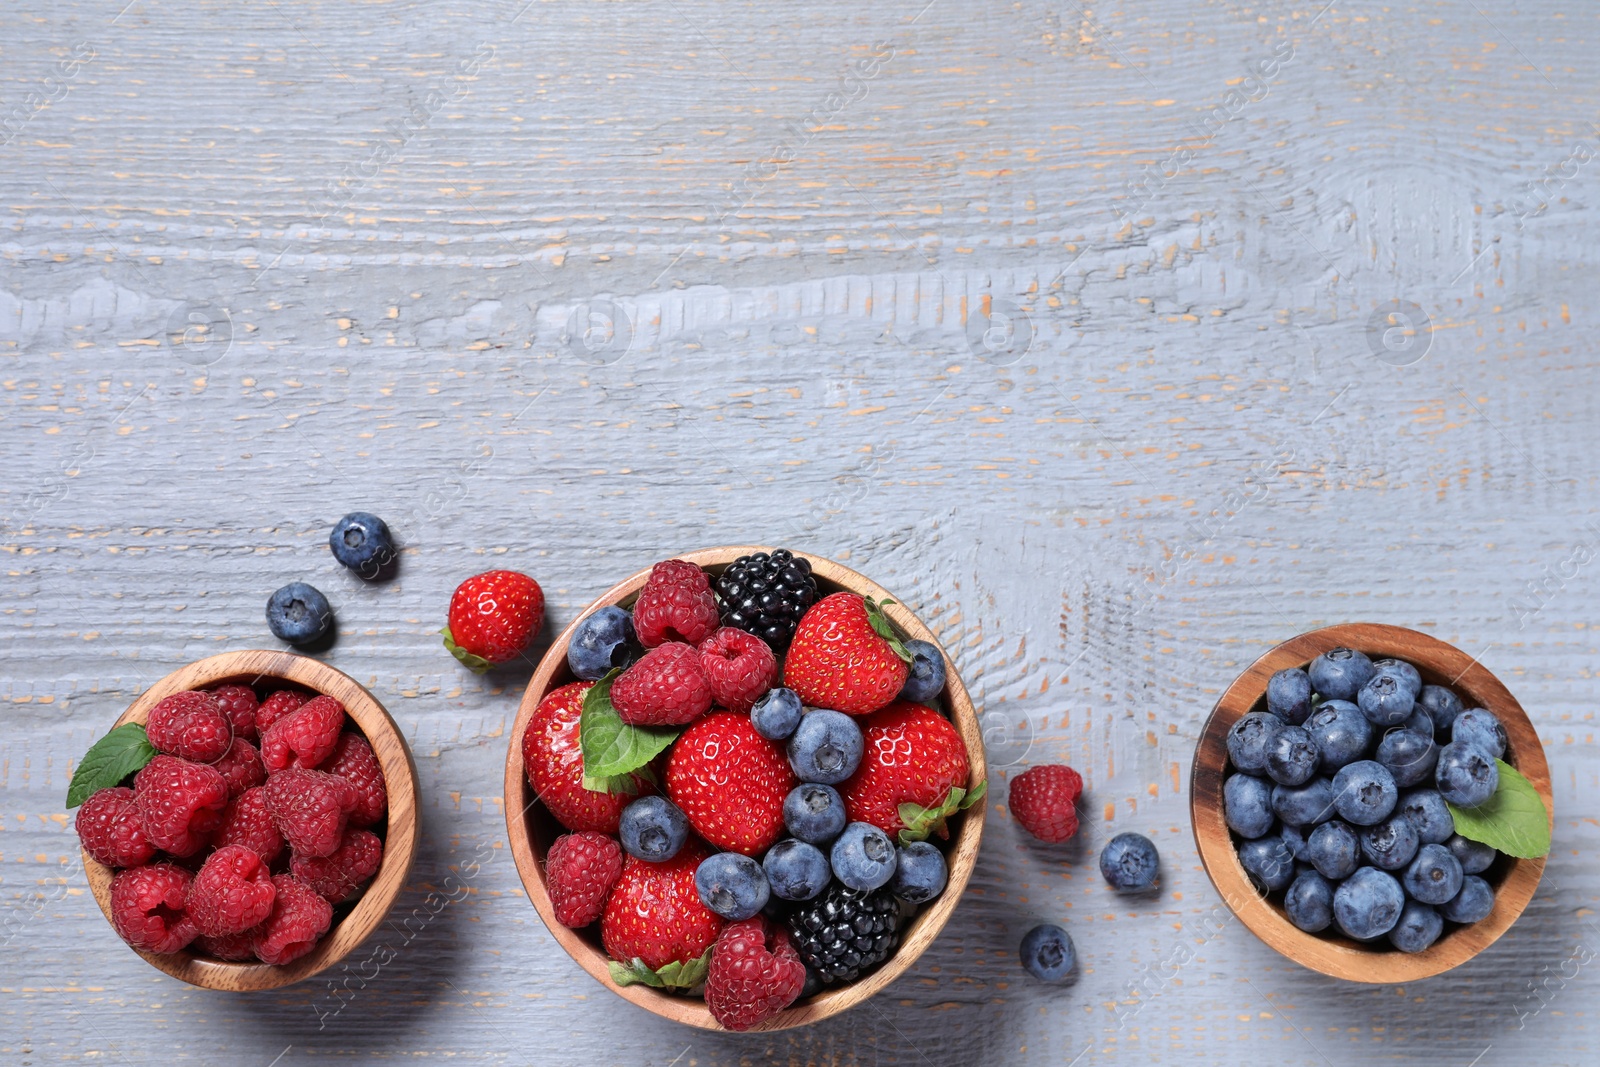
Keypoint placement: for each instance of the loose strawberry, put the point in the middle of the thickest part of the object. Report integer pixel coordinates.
(913, 773)
(654, 919)
(755, 973)
(493, 616)
(554, 765)
(844, 656)
(731, 782)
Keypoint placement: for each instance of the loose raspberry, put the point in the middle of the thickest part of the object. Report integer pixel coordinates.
(310, 809)
(147, 907)
(248, 822)
(180, 803)
(676, 604)
(299, 919)
(667, 687)
(755, 973)
(275, 707)
(580, 870)
(110, 829)
(740, 667)
(232, 892)
(354, 761)
(305, 737)
(190, 725)
(1043, 799)
(238, 703)
(337, 877)
(241, 768)
(230, 948)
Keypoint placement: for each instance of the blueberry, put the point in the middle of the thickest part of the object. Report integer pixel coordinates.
(1419, 927)
(826, 747)
(1474, 901)
(1339, 673)
(1404, 672)
(814, 813)
(1480, 727)
(1309, 902)
(796, 870)
(298, 613)
(1047, 953)
(1419, 722)
(1129, 863)
(1268, 863)
(1341, 732)
(1304, 805)
(1364, 792)
(1434, 876)
(1249, 739)
(733, 886)
(920, 873)
(653, 828)
(602, 641)
(925, 677)
(1292, 756)
(1289, 696)
(361, 542)
(1391, 844)
(1334, 849)
(1367, 904)
(863, 858)
(1385, 700)
(1294, 839)
(776, 714)
(1408, 756)
(1247, 805)
(1427, 811)
(1442, 706)
(1475, 856)
(1466, 774)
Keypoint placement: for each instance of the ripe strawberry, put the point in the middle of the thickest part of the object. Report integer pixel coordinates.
(580, 869)
(554, 765)
(665, 688)
(755, 973)
(676, 604)
(1044, 800)
(740, 666)
(844, 656)
(493, 616)
(654, 913)
(913, 773)
(730, 781)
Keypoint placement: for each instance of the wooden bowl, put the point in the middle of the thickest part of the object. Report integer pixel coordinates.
(532, 829)
(1514, 880)
(400, 837)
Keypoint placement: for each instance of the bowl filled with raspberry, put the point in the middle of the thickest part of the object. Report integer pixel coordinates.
(248, 821)
(745, 788)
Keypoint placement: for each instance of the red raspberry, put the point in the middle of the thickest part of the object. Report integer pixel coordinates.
(1043, 800)
(276, 707)
(180, 803)
(337, 877)
(231, 948)
(147, 907)
(310, 809)
(676, 604)
(238, 703)
(305, 737)
(580, 870)
(248, 822)
(190, 725)
(110, 829)
(353, 760)
(241, 768)
(299, 919)
(755, 973)
(740, 667)
(232, 892)
(667, 687)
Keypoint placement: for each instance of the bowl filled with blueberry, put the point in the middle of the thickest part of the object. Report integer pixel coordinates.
(1372, 802)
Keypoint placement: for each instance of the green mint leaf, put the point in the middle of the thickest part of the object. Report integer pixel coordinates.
(881, 626)
(1514, 820)
(118, 754)
(610, 746)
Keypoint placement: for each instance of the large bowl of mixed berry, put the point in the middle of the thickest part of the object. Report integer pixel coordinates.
(1372, 802)
(745, 788)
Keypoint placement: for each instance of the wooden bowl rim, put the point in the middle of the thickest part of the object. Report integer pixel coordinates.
(1336, 956)
(250, 667)
(967, 828)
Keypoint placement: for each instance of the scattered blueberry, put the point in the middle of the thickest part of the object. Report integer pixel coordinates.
(1367, 904)
(1339, 673)
(1334, 849)
(1480, 727)
(1289, 696)
(1474, 902)
(1466, 775)
(1434, 876)
(1385, 700)
(602, 641)
(814, 813)
(1294, 839)
(1391, 844)
(1249, 739)
(1309, 902)
(796, 870)
(1304, 805)
(298, 613)
(826, 747)
(1268, 863)
(1405, 672)
(1364, 792)
(653, 828)
(1247, 805)
(1475, 857)
(1428, 813)
(1420, 926)
(925, 677)
(361, 542)
(863, 858)
(1292, 756)
(920, 873)
(1130, 863)
(733, 886)
(1341, 733)
(1047, 953)
(776, 714)
(1408, 756)
(1442, 706)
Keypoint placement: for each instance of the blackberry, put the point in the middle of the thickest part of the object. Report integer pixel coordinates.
(845, 933)
(766, 595)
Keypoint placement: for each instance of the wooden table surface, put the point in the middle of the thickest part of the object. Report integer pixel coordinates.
(1121, 341)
